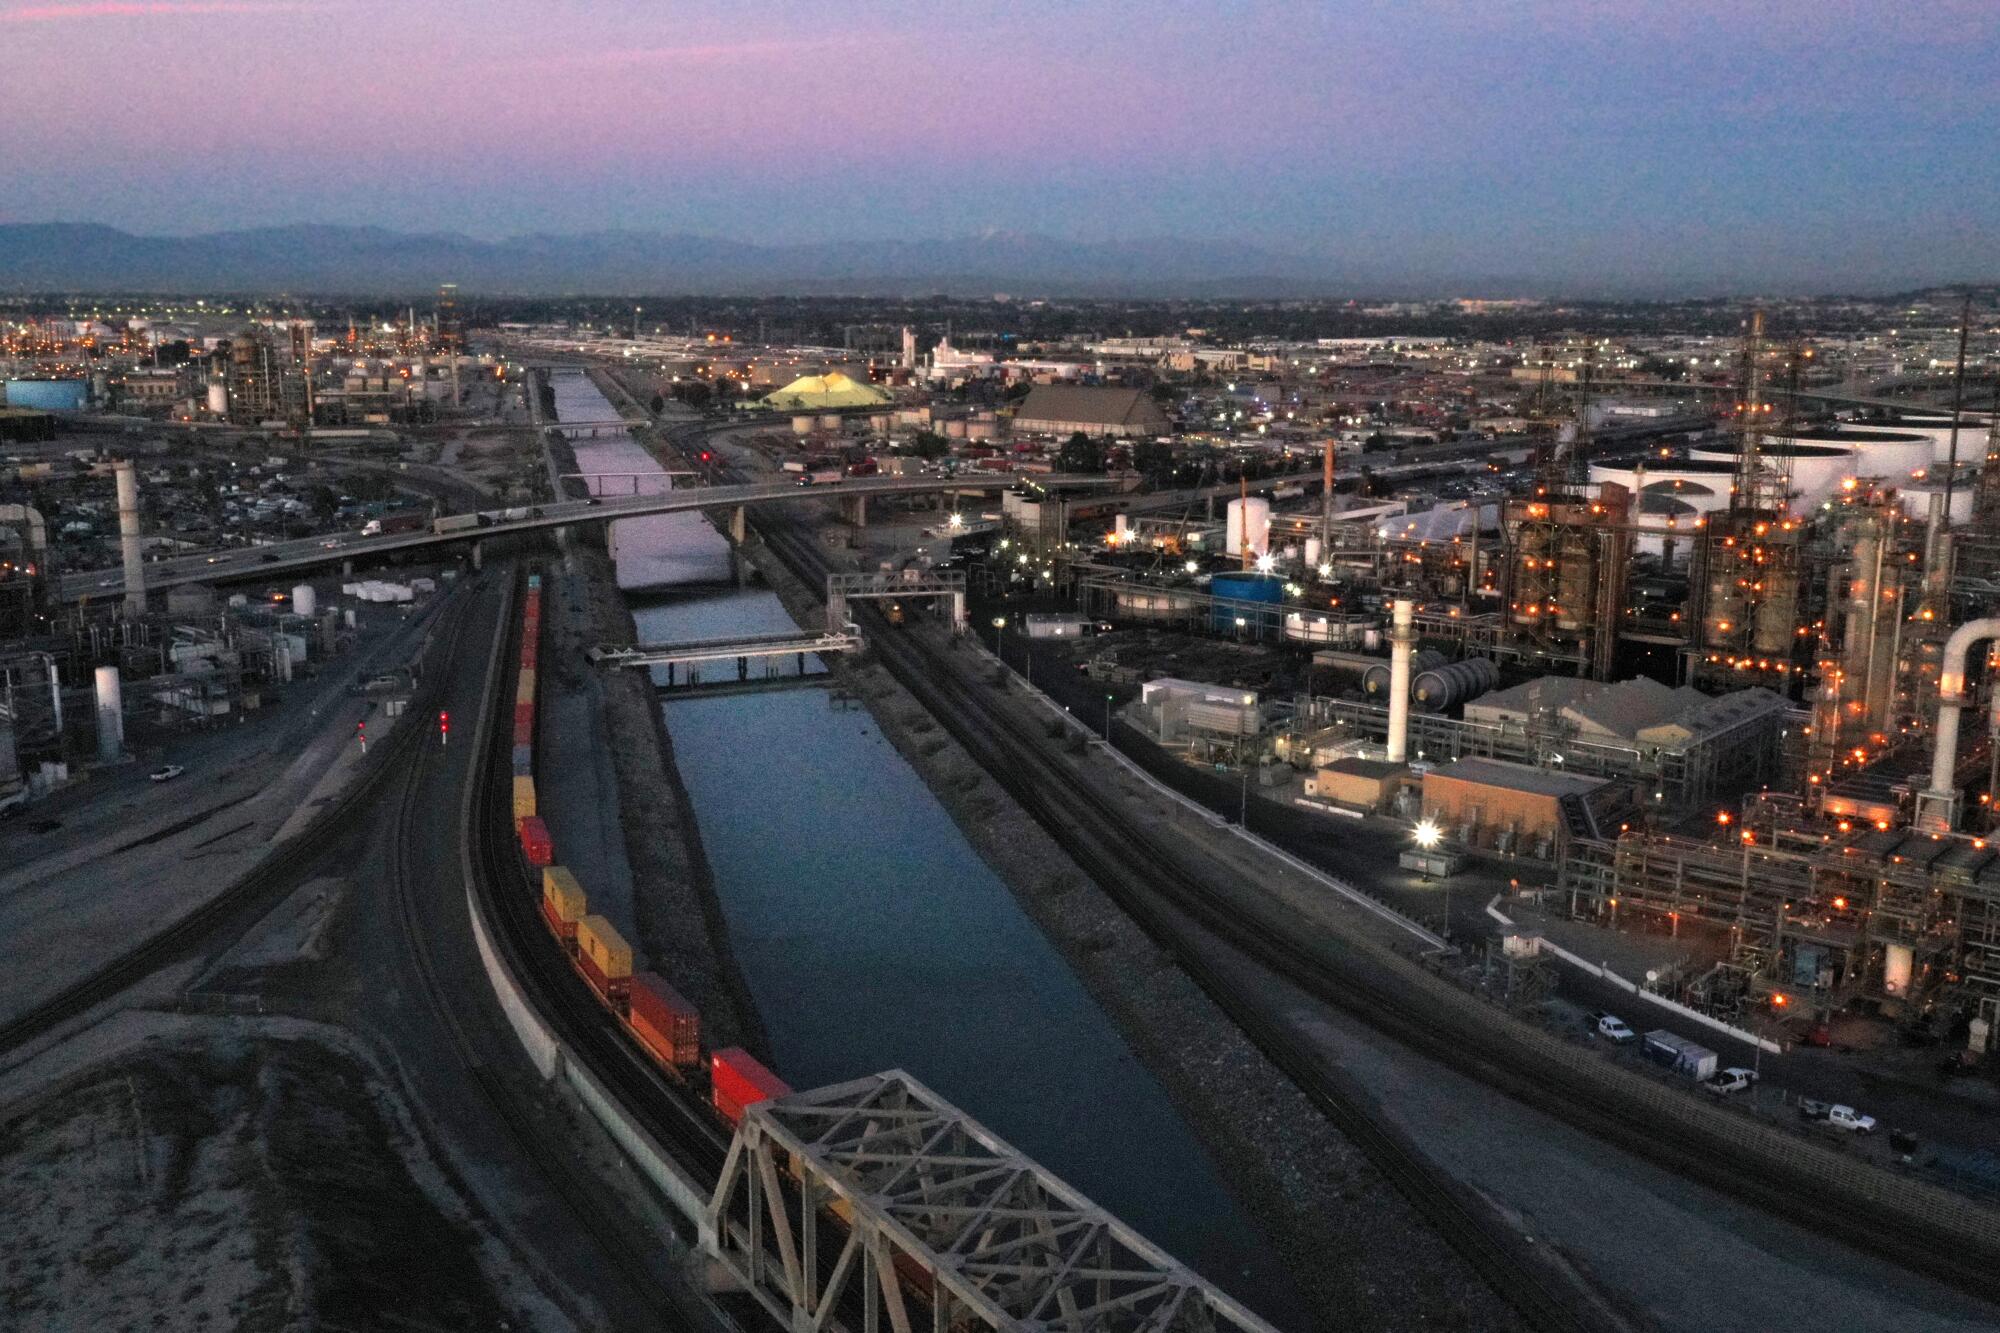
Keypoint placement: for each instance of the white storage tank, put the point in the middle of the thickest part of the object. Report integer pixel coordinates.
(1702, 484)
(1249, 525)
(218, 399)
(304, 601)
(829, 421)
(802, 425)
(1816, 469)
(1878, 451)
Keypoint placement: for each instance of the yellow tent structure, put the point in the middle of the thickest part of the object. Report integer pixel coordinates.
(812, 393)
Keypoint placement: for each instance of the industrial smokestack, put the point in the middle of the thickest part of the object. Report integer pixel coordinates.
(1402, 642)
(128, 536)
(110, 716)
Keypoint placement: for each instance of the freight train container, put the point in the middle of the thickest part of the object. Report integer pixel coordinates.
(738, 1081)
(524, 799)
(524, 724)
(535, 844)
(524, 761)
(524, 693)
(665, 1023)
(534, 582)
(606, 959)
(390, 523)
(563, 903)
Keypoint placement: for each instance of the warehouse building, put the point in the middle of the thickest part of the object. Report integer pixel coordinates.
(1513, 808)
(1065, 409)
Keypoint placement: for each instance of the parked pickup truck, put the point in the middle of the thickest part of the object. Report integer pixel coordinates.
(1724, 1082)
(1838, 1116)
(1614, 1027)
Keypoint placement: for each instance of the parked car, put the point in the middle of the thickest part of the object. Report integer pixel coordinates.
(167, 774)
(1724, 1082)
(1614, 1027)
(1849, 1119)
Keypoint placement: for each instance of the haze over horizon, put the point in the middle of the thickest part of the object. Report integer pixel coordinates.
(1584, 146)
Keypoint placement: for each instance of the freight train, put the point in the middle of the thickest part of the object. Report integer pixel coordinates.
(658, 1018)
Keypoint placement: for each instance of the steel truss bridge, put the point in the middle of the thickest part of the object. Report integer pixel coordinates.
(879, 1198)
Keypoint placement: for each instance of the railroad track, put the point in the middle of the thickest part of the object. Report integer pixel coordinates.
(668, 1109)
(255, 893)
(615, 1241)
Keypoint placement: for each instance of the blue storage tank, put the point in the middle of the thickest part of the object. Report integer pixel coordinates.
(1249, 597)
(49, 395)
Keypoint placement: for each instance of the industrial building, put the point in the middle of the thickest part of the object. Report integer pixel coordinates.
(1065, 409)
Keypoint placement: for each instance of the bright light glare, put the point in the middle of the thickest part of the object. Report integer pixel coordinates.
(1265, 564)
(1428, 834)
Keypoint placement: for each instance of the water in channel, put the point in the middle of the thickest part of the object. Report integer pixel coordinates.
(873, 936)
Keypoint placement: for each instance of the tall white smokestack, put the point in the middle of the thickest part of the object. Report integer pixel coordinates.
(110, 715)
(128, 536)
(1402, 643)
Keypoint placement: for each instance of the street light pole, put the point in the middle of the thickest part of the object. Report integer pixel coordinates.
(1107, 719)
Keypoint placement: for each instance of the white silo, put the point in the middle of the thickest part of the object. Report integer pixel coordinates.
(110, 715)
(1249, 525)
(218, 398)
(304, 601)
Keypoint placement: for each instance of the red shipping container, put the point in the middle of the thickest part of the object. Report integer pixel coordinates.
(565, 930)
(524, 718)
(664, 1019)
(535, 844)
(613, 989)
(737, 1080)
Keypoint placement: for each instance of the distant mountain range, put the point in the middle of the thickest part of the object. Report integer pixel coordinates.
(330, 260)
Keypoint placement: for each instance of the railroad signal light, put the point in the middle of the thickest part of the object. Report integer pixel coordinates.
(444, 727)
(361, 733)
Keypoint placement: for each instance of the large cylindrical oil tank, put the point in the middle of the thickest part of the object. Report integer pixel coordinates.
(1447, 686)
(1917, 498)
(1936, 427)
(305, 602)
(1233, 591)
(1878, 451)
(218, 399)
(1249, 525)
(1702, 483)
(829, 421)
(802, 425)
(1816, 470)
(1375, 680)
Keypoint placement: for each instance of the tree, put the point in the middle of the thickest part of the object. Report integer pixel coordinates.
(1154, 461)
(659, 404)
(928, 444)
(1081, 454)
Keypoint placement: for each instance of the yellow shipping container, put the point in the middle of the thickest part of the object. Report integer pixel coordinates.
(563, 894)
(525, 693)
(524, 798)
(599, 941)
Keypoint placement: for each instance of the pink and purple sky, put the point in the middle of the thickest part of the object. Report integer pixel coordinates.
(1827, 138)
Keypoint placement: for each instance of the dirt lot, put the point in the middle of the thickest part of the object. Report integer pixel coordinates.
(242, 1182)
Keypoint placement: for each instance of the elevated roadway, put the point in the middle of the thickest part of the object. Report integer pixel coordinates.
(285, 558)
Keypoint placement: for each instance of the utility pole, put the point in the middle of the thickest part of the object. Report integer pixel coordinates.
(1957, 404)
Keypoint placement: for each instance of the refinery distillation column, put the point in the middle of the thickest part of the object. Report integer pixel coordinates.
(1402, 639)
(128, 536)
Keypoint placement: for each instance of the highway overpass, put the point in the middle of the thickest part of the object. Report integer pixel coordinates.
(281, 560)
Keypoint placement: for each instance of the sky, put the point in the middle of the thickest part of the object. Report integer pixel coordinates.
(1829, 144)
